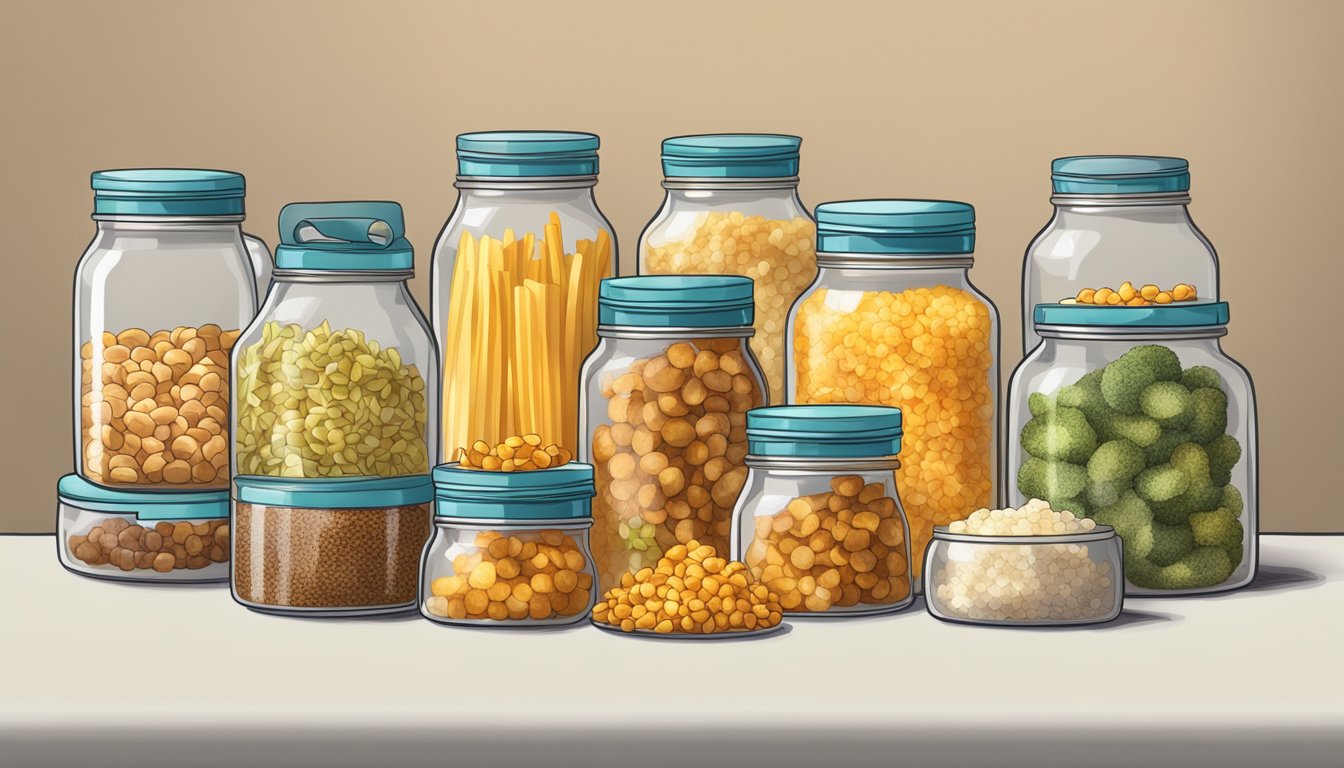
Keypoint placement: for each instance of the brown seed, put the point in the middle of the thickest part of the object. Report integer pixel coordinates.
(163, 562)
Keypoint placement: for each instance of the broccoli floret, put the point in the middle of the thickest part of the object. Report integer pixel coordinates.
(1137, 429)
(1203, 567)
(1039, 403)
(1161, 483)
(1123, 381)
(1191, 459)
(1232, 500)
(1085, 395)
(1199, 376)
(1061, 434)
(1200, 497)
(1209, 409)
(1076, 505)
(1133, 523)
(1050, 480)
(1160, 451)
(1169, 402)
(1101, 495)
(1219, 528)
(1224, 453)
(1115, 460)
(1170, 543)
(1140, 572)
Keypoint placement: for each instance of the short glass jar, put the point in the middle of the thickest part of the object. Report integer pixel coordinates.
(820, 521)
(732, 208)
(1135, 417)
(510, 549)
(1117, 219)
(665, 402)
(329, 547)
(137, 536)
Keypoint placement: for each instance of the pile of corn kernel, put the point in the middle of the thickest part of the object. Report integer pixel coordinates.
(1130, 296)
(691, 591)
(779, 256)
(536, 576)
(928, 351)
(518, 453)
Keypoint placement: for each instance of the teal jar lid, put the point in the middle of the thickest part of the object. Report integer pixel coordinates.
(145, 505)
(1194, 314)
(1119, 175)
(334, 493)
(896, 227)
(344, 237)
(676, 301)
(527, 154)
(167, 192)
(731, 155)
(824, 431)
(559, 493)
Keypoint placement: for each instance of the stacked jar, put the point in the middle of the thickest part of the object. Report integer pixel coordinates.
(1121, 234)
(514, 286)
(732, 208)
(892, 319)
(161, 295)
(666, 395)
(332, 435)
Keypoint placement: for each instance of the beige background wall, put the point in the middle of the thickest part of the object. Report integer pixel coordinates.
(962, 100)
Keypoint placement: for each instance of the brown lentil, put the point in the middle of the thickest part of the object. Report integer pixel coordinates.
(131, 546)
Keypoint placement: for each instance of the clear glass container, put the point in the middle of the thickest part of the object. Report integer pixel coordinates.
(665, 398)
(161, 295)
(820, 522)
(514, 286)
(732, 208)
(1117, 219)
(893, 319)
(336, 376)
(1025, 581)
(1135, 417)
(137, 536)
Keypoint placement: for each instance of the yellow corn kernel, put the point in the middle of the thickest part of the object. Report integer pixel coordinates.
(1126, 291)
(1149, 291)
(1102, 295)
(1086, 295)
(1183, 292)
(1162, 298)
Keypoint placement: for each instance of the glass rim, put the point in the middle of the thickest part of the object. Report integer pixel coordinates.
(1129, 333)
(674, 332)
(1099, 533)
(485, 523)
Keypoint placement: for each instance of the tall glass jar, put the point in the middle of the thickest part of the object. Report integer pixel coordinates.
(664, 408)
(161, 295)
(1117, 219)
(892, 319)
(337, 374)
(1135, 417)
(732, 208)
(514, 286)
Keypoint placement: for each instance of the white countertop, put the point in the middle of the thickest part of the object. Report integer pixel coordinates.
(98, 673)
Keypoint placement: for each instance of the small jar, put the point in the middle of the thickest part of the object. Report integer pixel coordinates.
(510, 549)
(336, 375)
(343, 547)
(820, 521)
(161, 295)
(1117, 219)
(732, 208)
(666, 395)
(513, 287)
(1135, 417)
(893, 319)
(1021, 581)
(135, 536)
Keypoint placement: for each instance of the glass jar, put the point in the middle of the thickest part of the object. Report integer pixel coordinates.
(336, 375)
(1135, 417)
(139, 536)
(732, 208)
(665, 401)
(510, 549)
(892, 319)
(1117, 219)
(342, 547)
(820, 522)
(161, 295)
(514, 286)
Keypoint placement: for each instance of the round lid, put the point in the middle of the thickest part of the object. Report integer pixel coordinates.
(676, 301)
(824, 431)
(896, 227)
(147, 505)
(186, 192)
(731, 155)
(344, 237)
(1119, 174)
(1204, 314)
(530, 495)
(334, 493)
(524, 154)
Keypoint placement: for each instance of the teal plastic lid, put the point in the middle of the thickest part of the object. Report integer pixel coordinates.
(146, 505)
(676, 301)
(559, 493)
(824, 431)
(1119, 175)
(334, 493)
(896, 227)
(524, 154)
(731, 155)
(1194, 314)
(358, 236)
(167, 192)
